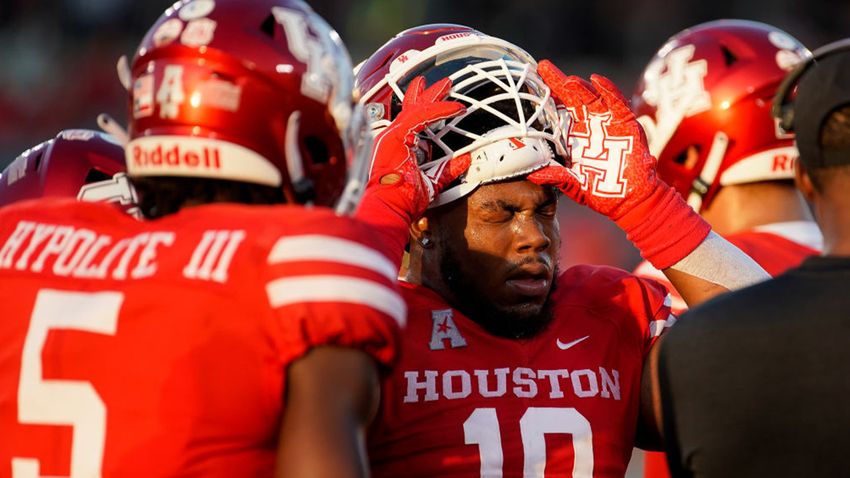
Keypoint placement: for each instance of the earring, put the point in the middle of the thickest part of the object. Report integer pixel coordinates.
(425, 242)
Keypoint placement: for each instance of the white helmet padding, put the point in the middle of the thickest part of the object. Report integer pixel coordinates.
(497, 160)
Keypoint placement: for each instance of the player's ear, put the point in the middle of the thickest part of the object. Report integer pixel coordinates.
(803, 181)
(420, 231)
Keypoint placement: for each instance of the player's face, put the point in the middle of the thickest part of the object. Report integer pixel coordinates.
(498, 253)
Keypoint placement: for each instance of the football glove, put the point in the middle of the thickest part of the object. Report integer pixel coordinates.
(612, 172)
(398, 192)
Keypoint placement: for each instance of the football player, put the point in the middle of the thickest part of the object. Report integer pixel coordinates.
(773, 363)
(510, 367)
(83, 164)
(169, 347)
(704, 101)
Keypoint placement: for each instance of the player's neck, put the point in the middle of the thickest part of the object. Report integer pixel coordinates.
(743, 207)
(832, 209)
(413, 272)
(425, 271)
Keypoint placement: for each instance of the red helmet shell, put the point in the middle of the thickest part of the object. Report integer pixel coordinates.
(392, 55)
(77, 163)
(496, 80)
(258, 91)
(704, 101)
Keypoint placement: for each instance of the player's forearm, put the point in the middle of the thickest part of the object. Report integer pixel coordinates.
(332, 396)
(715, 266)
(390, 229)
(398, 192)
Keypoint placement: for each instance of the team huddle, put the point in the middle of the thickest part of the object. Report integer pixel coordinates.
(290, 266)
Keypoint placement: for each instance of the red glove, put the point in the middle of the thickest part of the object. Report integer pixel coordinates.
(613, 173)
(398, 192)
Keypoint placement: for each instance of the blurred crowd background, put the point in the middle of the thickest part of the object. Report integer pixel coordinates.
(57, 57)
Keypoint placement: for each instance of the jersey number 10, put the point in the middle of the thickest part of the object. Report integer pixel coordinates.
(482, 429)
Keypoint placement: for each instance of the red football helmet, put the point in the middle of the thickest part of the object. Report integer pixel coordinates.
(78, 163)
(704, 101)
(495, 79)
(258, 91)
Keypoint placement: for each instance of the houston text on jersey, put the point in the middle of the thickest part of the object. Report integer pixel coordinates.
(431, 385)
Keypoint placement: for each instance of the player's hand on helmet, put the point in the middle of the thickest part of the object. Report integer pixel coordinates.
(395, 179)
(611, 169)
(398, 192)
(612, 172)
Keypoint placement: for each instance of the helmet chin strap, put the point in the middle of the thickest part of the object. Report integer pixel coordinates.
(106, 122)
(700, 186)
(352, 193)
(301, 185)
(124, 74)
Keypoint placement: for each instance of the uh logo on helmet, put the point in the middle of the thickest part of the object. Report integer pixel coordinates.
(704, 102)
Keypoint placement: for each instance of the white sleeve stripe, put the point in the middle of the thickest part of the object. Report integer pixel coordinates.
(656, 327)
(288, 291)
(315, 247)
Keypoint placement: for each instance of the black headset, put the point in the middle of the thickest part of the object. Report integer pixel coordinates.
(783, 105)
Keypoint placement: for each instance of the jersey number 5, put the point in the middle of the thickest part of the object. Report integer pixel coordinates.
(482, 429)
(65, 402)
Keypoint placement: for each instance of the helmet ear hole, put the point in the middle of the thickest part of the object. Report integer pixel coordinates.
(317, 149)
(38, 158)
(267, 26)
(729, 57)
(681, 158)
(95, 176)
(692, 156)
(688, 157)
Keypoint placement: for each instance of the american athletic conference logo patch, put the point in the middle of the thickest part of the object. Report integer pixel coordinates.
(444, 331)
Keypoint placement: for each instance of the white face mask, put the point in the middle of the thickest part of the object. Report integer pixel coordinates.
(497, 81)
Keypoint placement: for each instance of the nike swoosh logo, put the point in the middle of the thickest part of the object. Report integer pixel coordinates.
(565, 346)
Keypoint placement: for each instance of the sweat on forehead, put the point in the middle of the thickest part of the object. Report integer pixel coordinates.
(511, 194)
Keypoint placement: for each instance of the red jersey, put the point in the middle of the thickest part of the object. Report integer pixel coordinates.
(461, 402)
(775, 247)
(160, 348)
